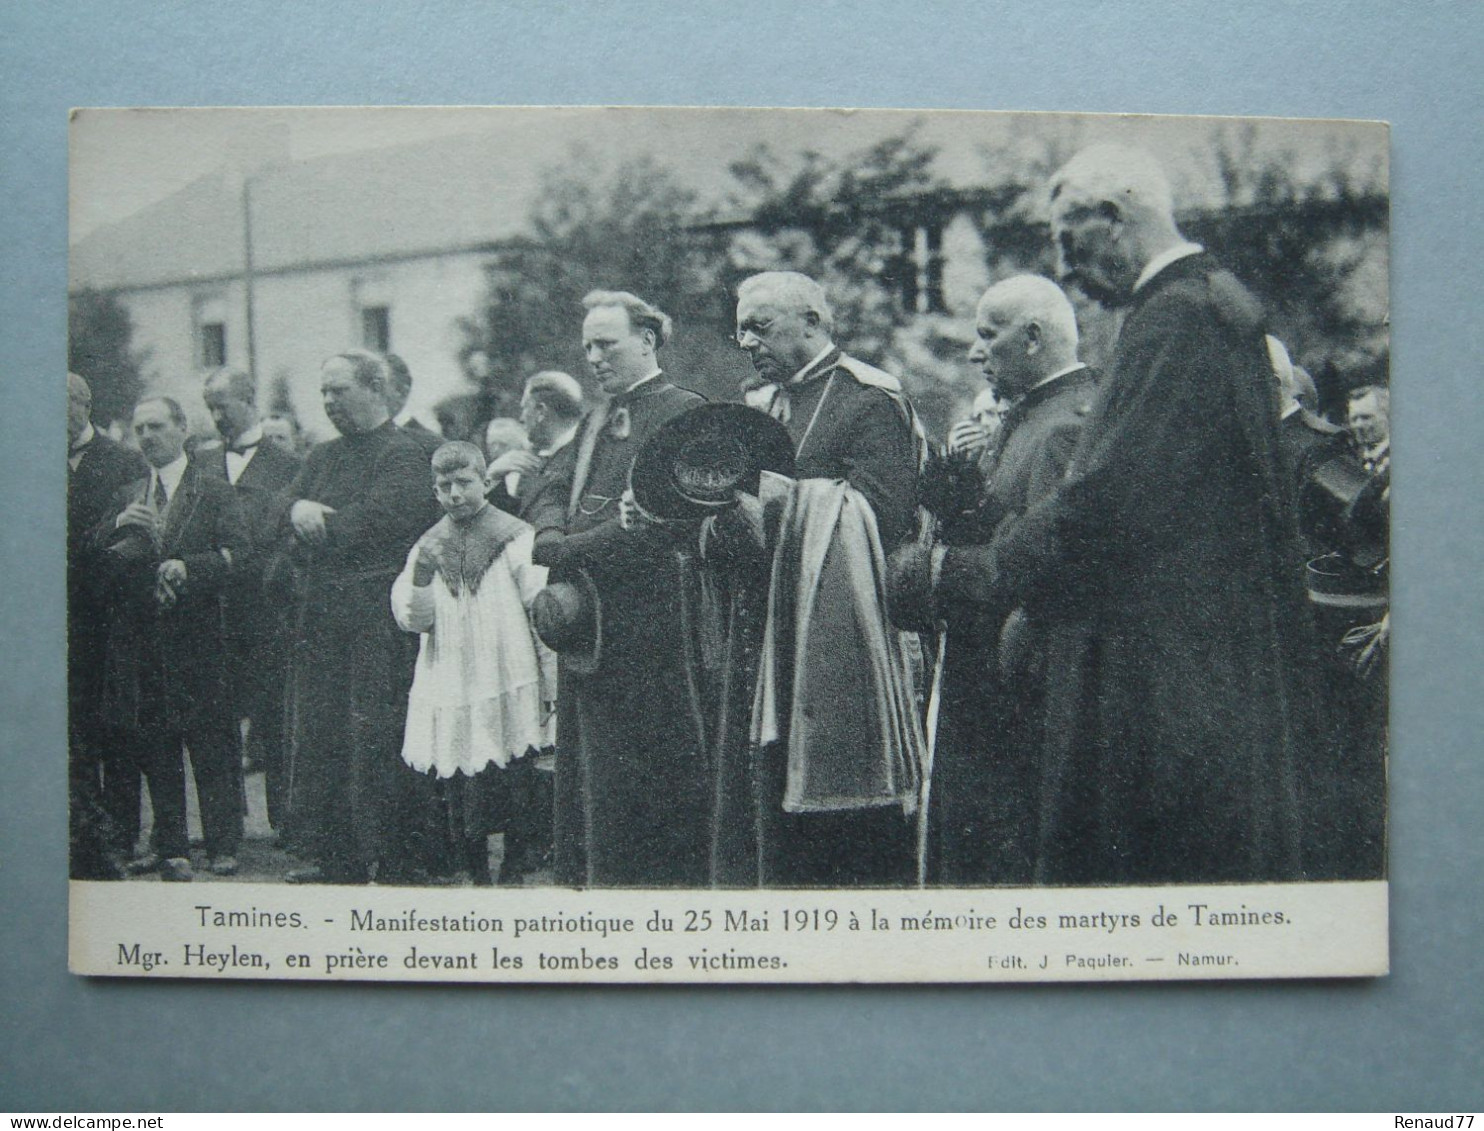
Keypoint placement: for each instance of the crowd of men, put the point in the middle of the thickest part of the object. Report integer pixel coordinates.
(1122, 627)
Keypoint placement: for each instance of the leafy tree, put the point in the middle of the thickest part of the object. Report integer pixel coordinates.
(99, 331)
(631, 228)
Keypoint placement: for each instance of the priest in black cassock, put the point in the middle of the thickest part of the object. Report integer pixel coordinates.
(357, 507)
(631, 785)
(1162, 568)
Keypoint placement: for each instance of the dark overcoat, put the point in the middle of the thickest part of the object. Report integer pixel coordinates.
(1176, 701)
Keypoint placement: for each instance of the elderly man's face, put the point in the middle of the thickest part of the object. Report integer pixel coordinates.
(618, 354)
(161, 439)
(776, 337)
(350, 405)
(534, 418)
(1088, 255)
(231, 415)
(1000, 351)
(1367, 420)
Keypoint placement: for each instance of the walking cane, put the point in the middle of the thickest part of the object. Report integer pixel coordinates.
(935, 701)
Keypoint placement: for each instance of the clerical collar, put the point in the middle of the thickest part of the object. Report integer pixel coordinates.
(85, 438)
(249, 439)
(1059, 374)
(171, 474)
(642, 381)
(559, 443)
(805, 371)
(1164, 259)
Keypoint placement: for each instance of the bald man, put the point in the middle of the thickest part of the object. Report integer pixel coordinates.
(1162, 567)
(986, 772)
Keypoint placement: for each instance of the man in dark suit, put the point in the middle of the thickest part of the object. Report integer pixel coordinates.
(259, 472)
(506, 444)
(987, 765)
(168, 550)
(1163, 568)
(96, 468)
(551, 409)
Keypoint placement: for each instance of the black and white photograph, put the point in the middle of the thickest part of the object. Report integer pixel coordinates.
(719, 542)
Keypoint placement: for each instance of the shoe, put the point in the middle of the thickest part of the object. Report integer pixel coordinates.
(310, 875)
(224, 866)
(176, 870)
(143, 865)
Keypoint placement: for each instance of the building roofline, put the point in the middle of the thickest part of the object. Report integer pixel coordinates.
(477, 248)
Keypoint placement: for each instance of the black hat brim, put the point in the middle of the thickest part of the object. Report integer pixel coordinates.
(764, 441)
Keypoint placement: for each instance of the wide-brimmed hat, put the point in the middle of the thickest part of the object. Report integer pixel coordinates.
(568, 616)
(698, 461)
(1338, 582)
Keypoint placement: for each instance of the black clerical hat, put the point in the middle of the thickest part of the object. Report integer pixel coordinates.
(568, 616)
(698, 461)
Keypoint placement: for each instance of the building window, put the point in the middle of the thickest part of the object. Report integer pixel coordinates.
(376, 328)
(922, 283)
(209, 319)
(213, 345)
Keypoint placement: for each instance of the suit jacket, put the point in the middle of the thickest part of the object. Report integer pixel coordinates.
(166, 666)
(261, 492)
(105, 467)
(576, 511)
(1032, 451)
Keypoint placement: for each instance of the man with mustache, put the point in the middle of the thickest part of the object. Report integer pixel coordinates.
(169, 550)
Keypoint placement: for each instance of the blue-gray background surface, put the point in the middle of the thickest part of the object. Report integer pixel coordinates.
(1411, 1042)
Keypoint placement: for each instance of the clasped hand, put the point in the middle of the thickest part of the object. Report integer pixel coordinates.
(170, 579)
(308, 520)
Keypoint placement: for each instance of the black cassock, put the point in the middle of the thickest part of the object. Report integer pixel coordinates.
(631, 764)
(350, 665)
(1178, 709)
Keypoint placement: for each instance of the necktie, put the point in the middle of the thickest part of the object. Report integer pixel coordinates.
(243, 449)
(162, 497)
